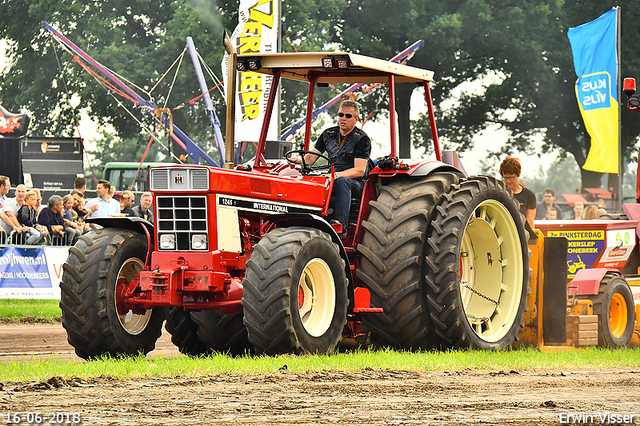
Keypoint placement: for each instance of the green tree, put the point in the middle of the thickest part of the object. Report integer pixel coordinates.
(138, 41)
(517, 51)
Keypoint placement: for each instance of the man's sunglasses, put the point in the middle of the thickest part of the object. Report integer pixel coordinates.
(342, 114)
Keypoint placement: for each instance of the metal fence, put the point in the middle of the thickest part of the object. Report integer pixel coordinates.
(20, 239)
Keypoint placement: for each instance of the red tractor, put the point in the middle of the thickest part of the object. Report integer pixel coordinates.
(246, 260)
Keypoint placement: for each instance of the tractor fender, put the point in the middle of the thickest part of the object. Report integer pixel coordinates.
(315, 221)
(587, 281)
(135, 224)
(436, 166)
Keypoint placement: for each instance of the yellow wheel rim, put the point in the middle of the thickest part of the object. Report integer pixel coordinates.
(316, 297)
(618, 315)
(491, 271)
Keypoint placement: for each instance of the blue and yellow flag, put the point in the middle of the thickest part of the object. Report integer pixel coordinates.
(594, 51)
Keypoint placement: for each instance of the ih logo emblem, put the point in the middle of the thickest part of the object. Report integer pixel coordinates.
(178, 179)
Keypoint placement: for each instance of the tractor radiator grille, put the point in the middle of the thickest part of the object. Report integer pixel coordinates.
(180, 179)
(183, 217)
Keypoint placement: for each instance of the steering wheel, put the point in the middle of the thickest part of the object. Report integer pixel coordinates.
(306, 169)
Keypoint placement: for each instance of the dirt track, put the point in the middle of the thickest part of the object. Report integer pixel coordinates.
(368, 397)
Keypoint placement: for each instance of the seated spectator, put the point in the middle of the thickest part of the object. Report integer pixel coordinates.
(12, 205)
(27, 216)
(590, 212)
(9, 223)
(71, 227)
(143, 209)
(126, 201)
(51, 217)
(551, 214)
(78, 206)
(578, 207)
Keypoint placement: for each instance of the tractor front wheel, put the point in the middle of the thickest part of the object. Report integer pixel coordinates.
(96, 274)
(295, 292)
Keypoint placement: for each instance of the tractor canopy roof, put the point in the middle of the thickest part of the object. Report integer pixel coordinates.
(333, 67)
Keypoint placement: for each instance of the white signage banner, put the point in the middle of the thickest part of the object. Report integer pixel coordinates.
(31, 273)
(257, 32)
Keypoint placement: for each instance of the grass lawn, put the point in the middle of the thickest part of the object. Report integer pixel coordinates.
(29, 310)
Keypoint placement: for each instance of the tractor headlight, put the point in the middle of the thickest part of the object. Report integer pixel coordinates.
(199, 242)
(167, 241)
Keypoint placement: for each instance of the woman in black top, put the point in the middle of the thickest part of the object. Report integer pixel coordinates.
(510, 170)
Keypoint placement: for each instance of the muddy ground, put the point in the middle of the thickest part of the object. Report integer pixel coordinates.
(369, 397)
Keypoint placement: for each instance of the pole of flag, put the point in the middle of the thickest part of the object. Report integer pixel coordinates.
(621, 105)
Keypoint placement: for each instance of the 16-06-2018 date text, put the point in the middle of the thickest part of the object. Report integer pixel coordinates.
(37, 418)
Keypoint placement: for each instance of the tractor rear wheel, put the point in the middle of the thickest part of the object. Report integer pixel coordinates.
(615, 309)
(295, 292)
(478, 263)
(393, 251)
(224, 333)
(184, 331)
(96, 273)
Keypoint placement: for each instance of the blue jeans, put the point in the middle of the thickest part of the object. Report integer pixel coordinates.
(34, 236)
(344, 189)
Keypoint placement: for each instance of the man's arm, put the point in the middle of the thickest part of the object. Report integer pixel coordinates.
(6, 219)
(12, 220)
(309, 159)
(357, 171)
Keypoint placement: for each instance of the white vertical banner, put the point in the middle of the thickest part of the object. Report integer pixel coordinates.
(257, 32)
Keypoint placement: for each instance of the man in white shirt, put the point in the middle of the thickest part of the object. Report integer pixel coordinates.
(103, 205)
(9, 222)
(12, 205)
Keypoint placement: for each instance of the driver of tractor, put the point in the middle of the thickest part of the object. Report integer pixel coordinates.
(348, 148)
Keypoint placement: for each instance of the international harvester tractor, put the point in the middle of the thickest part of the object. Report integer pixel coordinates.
(245, 259)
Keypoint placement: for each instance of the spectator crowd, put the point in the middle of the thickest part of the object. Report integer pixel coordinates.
(62, 220)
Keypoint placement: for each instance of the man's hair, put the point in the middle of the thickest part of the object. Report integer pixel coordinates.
(510, 165)
(31, 194)
(76, 191)
(53, 200)
(129, 194)
(105, 184)
(80, 182)
(550, 191)
(147, 194)
(3, 180)
(351, 104)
